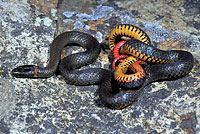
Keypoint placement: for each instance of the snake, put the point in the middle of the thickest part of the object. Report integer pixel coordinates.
(110, 93)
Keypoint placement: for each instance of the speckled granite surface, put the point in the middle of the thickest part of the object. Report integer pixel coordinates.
(50, 106)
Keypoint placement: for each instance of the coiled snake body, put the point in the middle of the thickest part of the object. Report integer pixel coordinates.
(109, 93)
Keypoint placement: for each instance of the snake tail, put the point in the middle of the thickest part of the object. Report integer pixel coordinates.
(128, 31)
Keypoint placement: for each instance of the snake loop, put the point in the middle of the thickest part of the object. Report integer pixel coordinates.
(161, 64)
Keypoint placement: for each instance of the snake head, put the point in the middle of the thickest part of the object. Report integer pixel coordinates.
(26, 71)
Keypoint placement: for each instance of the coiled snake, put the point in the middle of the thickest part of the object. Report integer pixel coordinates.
(181, 62)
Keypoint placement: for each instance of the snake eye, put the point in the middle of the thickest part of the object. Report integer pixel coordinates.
(24, 71)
